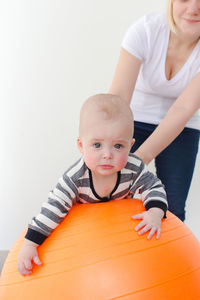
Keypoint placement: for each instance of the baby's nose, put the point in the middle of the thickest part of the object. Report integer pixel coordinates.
(107, 154)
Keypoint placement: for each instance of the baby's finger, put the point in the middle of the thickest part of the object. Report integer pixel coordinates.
(27, 264)
(26, 272)
(145, 229)
(37, 260)
(20, 269)
(23, 271)
(140, 225)
(158, 233)
(151, 233)
(138, 216)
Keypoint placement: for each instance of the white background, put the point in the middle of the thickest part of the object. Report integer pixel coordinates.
(53, 55)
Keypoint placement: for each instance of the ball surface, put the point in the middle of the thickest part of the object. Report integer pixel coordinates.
(96, 254)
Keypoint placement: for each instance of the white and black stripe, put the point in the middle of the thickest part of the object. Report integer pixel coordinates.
(76, 185)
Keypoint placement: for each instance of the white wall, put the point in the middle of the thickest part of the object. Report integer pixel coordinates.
(53, 55)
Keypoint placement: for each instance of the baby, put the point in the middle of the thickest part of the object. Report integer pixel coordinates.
(106, 171)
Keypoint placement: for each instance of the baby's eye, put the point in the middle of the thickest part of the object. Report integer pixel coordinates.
(118, 146)
(97, 145)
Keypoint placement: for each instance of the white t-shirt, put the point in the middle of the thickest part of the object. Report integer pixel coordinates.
(147, 39)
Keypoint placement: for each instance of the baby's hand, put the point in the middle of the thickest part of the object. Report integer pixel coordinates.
(151, 221)
(27, 254)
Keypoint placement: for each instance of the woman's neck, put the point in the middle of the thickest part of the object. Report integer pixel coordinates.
(179, 40)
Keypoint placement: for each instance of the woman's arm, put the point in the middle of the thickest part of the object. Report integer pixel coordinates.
(125, 77)
(173, 123)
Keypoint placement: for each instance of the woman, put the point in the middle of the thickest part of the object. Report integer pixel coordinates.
(164, 58)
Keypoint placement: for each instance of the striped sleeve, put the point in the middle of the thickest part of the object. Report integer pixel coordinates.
(151, 189)
(55, 209)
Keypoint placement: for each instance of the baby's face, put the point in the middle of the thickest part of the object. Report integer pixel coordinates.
(105, 145)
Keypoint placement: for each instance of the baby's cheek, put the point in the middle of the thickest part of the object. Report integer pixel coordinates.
(122, 160)
(89, 159)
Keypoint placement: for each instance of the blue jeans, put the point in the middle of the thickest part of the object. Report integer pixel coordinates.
(174, 165)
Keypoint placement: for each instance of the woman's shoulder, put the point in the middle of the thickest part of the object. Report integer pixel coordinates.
(155, 20)
(142, 35)
(150, 24)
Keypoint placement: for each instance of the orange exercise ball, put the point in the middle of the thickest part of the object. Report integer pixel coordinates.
(95, 254)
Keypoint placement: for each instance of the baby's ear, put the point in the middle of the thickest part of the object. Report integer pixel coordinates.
(133, 142)
(80, 145)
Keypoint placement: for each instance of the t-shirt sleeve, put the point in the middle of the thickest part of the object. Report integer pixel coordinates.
(136, 39)
(53, 211)
(150, 187)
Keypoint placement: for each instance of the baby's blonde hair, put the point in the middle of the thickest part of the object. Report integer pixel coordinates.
(110, 107)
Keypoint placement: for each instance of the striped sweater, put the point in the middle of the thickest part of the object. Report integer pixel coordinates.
(76, 185)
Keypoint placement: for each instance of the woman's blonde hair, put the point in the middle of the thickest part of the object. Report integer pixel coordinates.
(170, 17)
